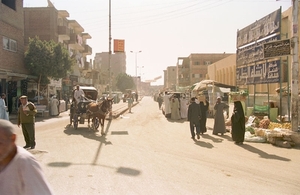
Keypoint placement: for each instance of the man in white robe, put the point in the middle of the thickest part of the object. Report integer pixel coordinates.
(167, 97)
(3, 107)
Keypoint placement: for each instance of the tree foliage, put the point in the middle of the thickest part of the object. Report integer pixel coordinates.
(124, 81)
(47, 59)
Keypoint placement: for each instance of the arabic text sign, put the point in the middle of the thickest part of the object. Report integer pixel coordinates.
(254, 52)
(264, 27)
(277, 48)
(267, 72)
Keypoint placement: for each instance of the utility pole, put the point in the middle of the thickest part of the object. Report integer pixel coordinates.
(136, 67)
(294, 68)
(109, 56)
(109, 48)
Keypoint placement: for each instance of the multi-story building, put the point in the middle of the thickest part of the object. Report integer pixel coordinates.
(170, 78)
(193, 69)
(48, 23)
(223, 70)
(117, 65)
(183, 78)
(13, 73)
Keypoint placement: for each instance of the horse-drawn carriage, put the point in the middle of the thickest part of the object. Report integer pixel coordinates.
(89, 107)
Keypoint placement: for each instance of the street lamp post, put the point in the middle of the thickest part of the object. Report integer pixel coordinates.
(136, 78)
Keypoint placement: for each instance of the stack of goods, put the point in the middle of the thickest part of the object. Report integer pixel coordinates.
(238, 96)
(264, 130)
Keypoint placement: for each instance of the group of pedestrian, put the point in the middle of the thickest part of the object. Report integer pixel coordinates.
(197, 116)
(175, 105)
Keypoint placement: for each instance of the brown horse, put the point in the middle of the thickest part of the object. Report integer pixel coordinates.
(98, 112)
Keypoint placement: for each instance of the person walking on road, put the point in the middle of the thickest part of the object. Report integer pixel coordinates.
(175, 108)
(219, 125)
(3, 107)
(194, 116)
(26, 118)
(20, 172)
(204, 109)
(160, 100)
(238, 123)
(130, 101)
(54, 106)
(183, 107)
(167, 97)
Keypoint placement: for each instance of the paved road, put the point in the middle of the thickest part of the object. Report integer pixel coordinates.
(144, 153)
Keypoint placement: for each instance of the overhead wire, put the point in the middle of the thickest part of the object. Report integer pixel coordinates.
(173, 14)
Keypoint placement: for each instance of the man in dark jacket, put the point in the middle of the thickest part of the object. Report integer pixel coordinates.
(194, 116)
(26, 118)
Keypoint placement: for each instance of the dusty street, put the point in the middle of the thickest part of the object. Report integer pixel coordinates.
(144, 153)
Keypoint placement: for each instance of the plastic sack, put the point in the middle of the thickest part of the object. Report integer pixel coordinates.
(252, 138)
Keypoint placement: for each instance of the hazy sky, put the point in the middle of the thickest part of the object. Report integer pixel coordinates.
(164, 29)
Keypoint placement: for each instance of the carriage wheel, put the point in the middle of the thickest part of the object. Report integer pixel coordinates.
(96, 123)
(75, 121)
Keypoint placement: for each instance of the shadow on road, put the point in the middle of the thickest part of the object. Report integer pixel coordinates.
(216, 140)
(263, 154)
(121, 170)
(203, 144)
(87, 133)
(176, 121)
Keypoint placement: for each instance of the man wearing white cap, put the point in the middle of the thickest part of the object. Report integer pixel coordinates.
(26, 118)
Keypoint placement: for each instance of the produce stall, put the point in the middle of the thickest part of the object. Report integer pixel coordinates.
(265, 131)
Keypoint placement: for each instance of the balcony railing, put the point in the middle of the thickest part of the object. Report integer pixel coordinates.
(75, 42)
(87, 50)
(64, 32)
(87, 66)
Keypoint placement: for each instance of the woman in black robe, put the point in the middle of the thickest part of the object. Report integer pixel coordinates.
(238, 123)
(204, 109)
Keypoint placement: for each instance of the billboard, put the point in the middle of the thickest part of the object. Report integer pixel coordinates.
(265, 72)
(253, 53)
(119, 45)
(264, 27)
(277, 48)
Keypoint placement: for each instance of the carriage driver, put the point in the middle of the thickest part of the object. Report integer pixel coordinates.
(78, 94)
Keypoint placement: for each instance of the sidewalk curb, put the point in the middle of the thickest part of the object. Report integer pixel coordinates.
(123, 111)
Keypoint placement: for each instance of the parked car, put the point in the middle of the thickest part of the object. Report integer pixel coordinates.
(35, 99)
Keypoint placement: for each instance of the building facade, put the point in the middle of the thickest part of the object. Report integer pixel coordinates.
(117, 65)
(193, 69)
(48, 23)
(171, 78)
(13, 73)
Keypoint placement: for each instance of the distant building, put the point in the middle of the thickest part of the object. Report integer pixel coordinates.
(117, 65)
(170, 78)
(193, 69)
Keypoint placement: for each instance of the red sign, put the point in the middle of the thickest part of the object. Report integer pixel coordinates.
(119, 45)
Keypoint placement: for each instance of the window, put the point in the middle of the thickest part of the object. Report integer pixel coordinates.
(207, 62)
(196, 63)
(9, 44)
(10, 3)
(197, 76)
(5, 43)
